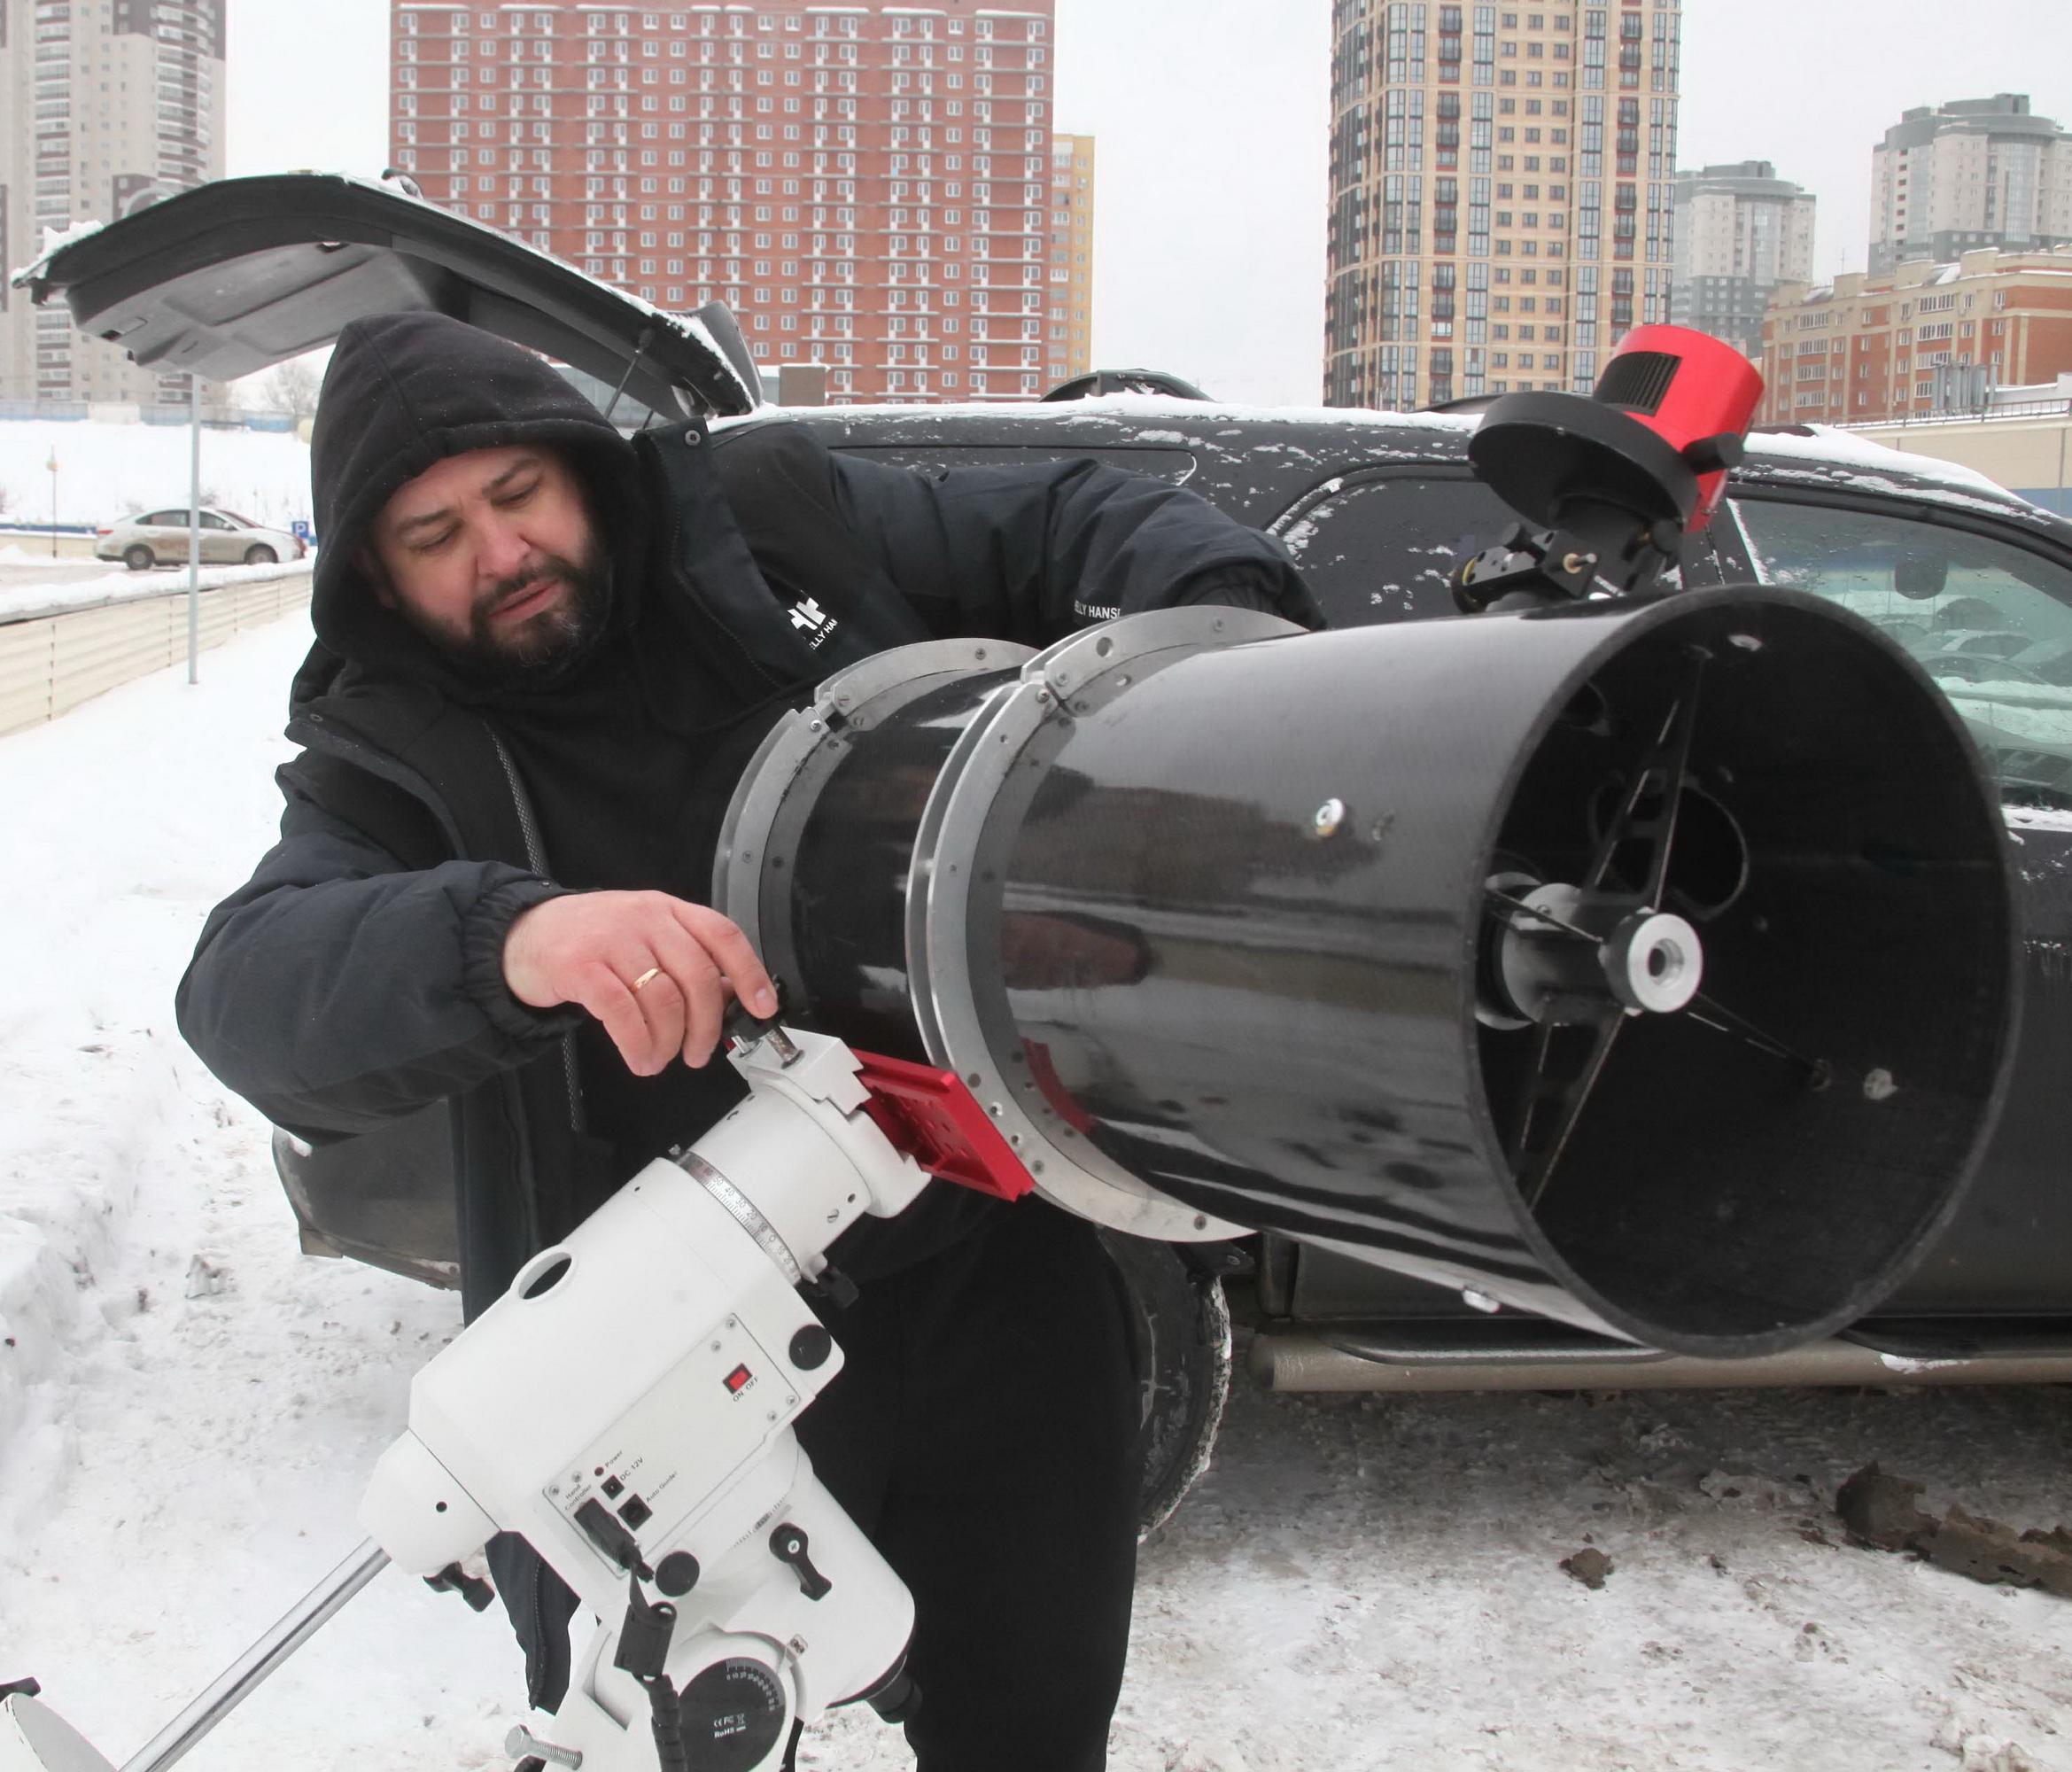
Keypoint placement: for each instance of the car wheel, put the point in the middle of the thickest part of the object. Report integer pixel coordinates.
(1181, 1326)
(139, 558)
(260, 555)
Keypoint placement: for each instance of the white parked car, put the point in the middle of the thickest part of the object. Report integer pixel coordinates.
(160, 538)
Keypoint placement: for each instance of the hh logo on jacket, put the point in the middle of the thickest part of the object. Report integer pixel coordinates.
(813, 621)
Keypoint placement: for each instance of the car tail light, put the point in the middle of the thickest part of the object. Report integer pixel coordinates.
(105, 529)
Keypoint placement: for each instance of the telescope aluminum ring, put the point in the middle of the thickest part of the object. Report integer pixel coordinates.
(1074, 676)
(792, 744)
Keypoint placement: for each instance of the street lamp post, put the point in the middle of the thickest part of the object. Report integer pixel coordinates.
(194, 527)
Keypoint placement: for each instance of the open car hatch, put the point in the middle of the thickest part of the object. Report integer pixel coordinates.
(233, 275)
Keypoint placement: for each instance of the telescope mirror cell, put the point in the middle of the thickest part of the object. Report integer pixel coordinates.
(1230, 922)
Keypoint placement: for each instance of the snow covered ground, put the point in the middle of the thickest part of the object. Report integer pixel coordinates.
(188, 1407)
(106, 470)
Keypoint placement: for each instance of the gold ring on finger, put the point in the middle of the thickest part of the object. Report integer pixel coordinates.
(647, 977)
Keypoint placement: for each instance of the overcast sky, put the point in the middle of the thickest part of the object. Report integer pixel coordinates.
(1211, 119)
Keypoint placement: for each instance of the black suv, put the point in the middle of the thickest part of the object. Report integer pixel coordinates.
(1375, 509)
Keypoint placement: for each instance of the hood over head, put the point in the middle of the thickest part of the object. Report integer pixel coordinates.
(405, 392)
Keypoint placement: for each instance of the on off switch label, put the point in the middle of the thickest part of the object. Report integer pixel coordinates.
(682, 1441)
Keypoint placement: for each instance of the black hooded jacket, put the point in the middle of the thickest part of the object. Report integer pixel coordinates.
(356, 978)
(353, 988)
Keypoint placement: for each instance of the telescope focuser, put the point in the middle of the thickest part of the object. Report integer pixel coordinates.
(1611, 484)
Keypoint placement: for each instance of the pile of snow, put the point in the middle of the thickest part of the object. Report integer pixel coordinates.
(69, 594)
(110, 471)
(189, 1408)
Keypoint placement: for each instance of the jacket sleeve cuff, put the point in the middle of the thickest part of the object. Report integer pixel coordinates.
(482, 970)
(1270, 589)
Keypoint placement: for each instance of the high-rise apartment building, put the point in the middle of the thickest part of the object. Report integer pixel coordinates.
(1502, 186)
(1976, 172)
(1741, 230)
(1072, 190)
(866, 186)
(104, 105)
(1918, 340)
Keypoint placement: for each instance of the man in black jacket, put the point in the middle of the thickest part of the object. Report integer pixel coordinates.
(543, 655)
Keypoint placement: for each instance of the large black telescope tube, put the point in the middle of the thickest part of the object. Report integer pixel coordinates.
(1646, 964)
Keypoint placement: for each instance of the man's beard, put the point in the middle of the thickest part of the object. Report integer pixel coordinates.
(544, 647)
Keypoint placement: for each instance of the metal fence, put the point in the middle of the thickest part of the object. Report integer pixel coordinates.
(2057, 407)
(79, 411)
(50, 665)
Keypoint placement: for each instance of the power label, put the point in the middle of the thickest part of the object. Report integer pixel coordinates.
(680, 1444)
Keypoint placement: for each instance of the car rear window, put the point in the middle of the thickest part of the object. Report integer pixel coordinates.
(1385, 548)
(1990, 622)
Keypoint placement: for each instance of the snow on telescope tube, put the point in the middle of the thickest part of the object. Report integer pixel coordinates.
(1645, 963)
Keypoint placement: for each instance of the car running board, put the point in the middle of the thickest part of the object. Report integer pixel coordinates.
(1341, 1362)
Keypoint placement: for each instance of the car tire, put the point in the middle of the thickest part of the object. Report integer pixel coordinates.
(260, 555)
(1181, 1326)
(139, 558)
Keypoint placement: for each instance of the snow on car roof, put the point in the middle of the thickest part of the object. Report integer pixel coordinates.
(1831, 444)
(1821, 453)
(1837, 457)
(1186, 415)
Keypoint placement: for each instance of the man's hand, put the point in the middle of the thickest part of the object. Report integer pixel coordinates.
(593, 949)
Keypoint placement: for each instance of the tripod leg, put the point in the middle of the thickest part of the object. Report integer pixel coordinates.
(294, 1629)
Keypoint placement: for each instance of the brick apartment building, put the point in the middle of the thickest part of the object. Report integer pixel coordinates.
(105, 107)
(1502, 193)
(1867, 349)
(1975, 172)
(867, 186)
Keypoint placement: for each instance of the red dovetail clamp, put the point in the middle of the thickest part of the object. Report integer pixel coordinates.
(931, 1115)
